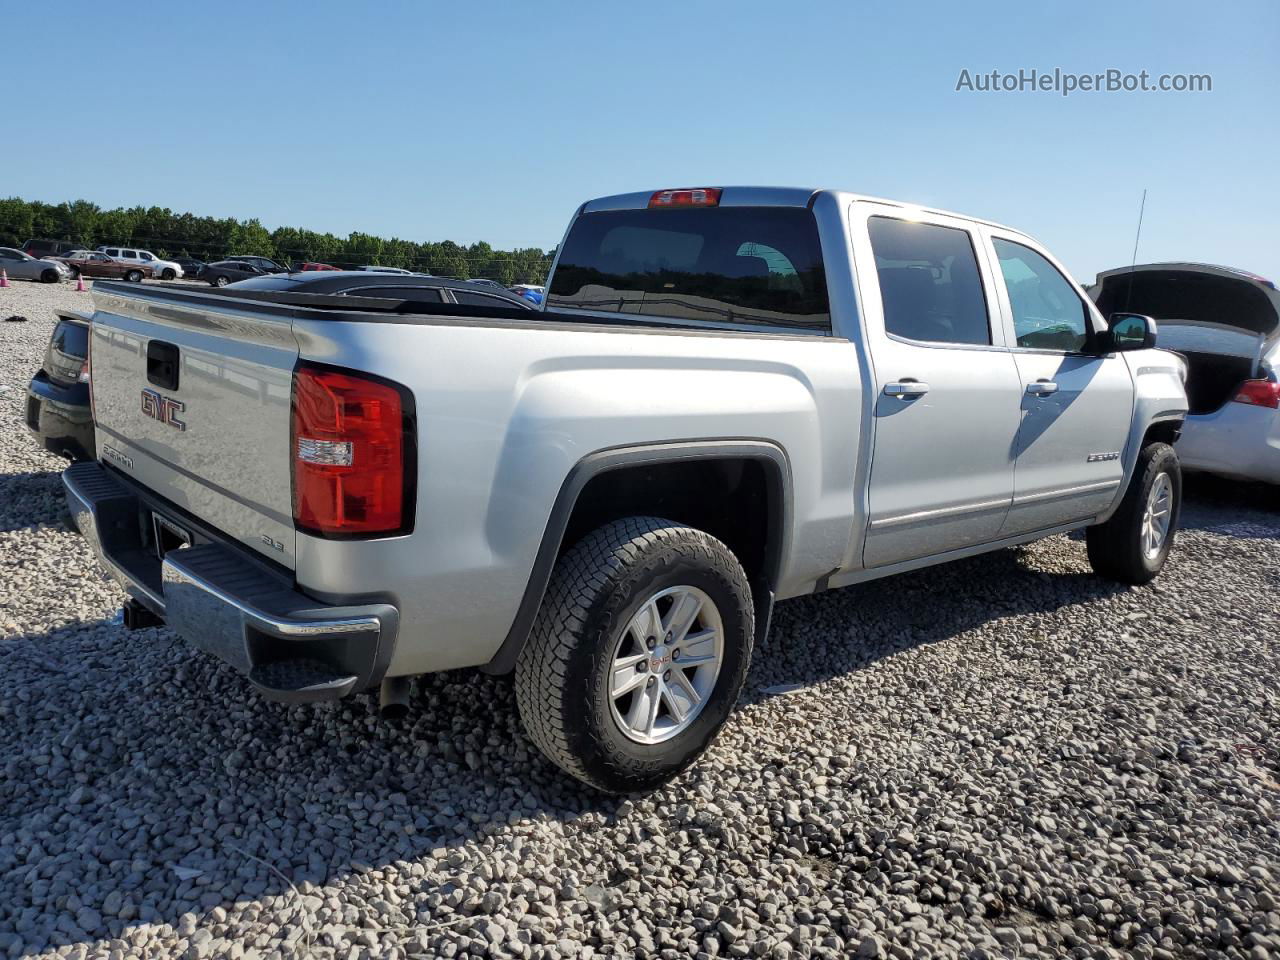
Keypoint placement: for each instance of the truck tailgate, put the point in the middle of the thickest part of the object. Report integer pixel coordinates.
(192, 400)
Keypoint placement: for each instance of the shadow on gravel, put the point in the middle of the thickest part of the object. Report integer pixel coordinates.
(31, 499)
(884, 617)
(1215, 504)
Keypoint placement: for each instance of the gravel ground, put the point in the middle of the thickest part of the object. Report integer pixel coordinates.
(1000, 757)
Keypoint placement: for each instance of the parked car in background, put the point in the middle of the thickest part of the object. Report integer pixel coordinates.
(414, 288)
(223, 272)
(606, 495)
(530, 292)
(58, 412)
(265, 264)
(49, 248)
(90, 263)
(1226, 324)
(18, 265)
(160, 269)
(309, 266)
(191, 267)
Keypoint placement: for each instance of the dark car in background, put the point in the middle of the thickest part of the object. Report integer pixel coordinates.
(192, 269)
(58, 412)
(265, 264)
(223, 272)
(235, 269)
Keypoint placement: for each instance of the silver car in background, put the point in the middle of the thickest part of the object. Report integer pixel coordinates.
(1226, 324)
(21, 266)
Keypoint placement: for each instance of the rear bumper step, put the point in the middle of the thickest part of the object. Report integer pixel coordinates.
(291, 647)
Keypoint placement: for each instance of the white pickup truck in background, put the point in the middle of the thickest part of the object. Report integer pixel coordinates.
(731, 396)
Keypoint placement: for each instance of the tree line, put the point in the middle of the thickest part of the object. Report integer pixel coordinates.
(169, 234)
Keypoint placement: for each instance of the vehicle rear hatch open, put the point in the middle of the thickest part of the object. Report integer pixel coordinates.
(1222, 320)
(191, 398)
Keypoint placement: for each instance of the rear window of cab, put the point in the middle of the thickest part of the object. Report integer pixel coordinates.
(753, 266)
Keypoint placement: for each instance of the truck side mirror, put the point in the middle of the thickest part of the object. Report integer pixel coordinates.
(1131, 331)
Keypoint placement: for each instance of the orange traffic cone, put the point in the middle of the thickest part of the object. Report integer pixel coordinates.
(80, 287)
(4, 278)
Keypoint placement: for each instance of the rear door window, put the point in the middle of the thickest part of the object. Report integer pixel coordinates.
(758, 266)
(929, 282)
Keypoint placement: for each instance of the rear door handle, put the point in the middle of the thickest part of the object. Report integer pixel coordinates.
(1042, 388)
(906, 388)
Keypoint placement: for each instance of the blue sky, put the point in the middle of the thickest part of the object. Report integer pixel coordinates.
(492, 122)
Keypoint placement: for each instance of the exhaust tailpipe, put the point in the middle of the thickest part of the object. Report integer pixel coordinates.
(393, 700)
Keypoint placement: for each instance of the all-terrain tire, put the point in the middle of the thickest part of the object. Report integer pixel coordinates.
(1116, 549)
(563, 671)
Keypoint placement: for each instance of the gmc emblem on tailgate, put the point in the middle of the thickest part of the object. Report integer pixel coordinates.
(162, 408)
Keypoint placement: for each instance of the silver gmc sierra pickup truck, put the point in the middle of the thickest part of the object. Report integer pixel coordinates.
(731, 396)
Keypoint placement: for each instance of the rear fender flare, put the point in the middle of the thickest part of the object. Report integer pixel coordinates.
(778, 476)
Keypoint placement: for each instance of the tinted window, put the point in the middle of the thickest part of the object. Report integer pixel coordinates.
(473, 299)
(1048, 312)
(422, 294)
(929, 282)
(113, 253)
(71, 339)
(754, 265)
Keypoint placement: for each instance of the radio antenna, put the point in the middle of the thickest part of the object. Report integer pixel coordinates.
(1134, 262)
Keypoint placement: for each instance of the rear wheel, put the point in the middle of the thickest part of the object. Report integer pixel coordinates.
(638, 653)
(1133, 545)
(134, 276)
(219, 281)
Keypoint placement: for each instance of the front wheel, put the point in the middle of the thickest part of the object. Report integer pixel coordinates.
(49, 276)
(167, 274)
(134, 276)
(637, 654)
(1134, 544)
(219, 281)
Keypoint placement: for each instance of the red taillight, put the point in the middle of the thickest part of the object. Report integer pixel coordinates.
(84, 371)
(352, 454)
(1259, 393)
(692, 197)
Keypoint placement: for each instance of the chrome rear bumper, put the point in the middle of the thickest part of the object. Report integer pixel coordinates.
(290, 646)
